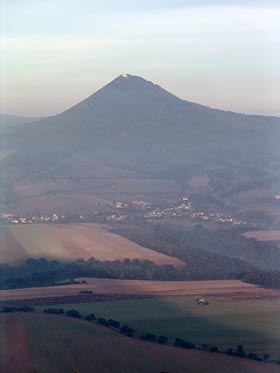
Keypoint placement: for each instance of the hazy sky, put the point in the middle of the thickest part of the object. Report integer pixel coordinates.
(54, 53)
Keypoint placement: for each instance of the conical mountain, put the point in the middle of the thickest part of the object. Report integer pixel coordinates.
(134, 124)
(128, 102)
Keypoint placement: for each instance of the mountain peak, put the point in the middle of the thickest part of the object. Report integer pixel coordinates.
(125, 91)
(128, 76)
(132, 78)
(129, 81)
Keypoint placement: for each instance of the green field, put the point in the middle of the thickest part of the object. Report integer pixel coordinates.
(61, 345)
(256, 325)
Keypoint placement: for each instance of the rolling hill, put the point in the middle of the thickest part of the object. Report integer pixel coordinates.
(14, 120)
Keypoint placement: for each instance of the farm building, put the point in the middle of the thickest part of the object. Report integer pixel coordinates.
(202, 302)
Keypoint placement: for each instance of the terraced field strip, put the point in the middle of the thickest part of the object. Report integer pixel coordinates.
(61, 203)
(263, 235)
(199, 181)
(88, 240)
(228, 290)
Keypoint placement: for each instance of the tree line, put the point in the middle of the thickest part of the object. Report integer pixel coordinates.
(130, 332)
(265, 279)
(150, 337)
(42, 272)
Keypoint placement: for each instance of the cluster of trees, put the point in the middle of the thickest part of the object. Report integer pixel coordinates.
(60, 311)
(209, 252)
(241, 353)
(110, 322)
(161, 339)
(74, 313)
(198, 248)
(182, 343)
(54, 311)
(42, 272)
(126, 330)
(265, 279)
(90, 317)
(86, 292)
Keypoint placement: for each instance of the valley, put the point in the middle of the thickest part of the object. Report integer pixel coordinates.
(139, 186)
(134, 204)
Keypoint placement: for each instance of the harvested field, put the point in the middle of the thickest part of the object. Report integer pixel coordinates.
(263, 199)
(79, 298)
(10, 249)
(15, 355)
(59, 203)
(62, 345)
(73, 241)
(227, 290)
(140, 186)
(263, 235)
(199, 181)
(94, 240)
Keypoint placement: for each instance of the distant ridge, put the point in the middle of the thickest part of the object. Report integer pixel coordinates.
(12, 120)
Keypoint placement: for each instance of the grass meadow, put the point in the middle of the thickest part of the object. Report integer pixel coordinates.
(256, 324)
(60, 344)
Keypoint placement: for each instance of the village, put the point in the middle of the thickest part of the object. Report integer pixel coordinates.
(183, 208)
(118, 211)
